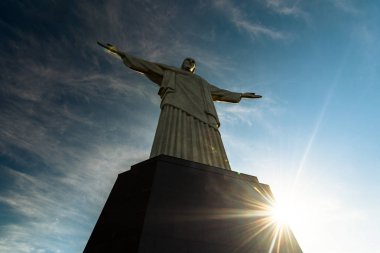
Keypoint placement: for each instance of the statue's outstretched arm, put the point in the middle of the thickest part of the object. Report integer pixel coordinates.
(250, 95)
(229, 96)
(139, 65)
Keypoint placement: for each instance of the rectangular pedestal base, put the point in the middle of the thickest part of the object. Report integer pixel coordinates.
(170, 205)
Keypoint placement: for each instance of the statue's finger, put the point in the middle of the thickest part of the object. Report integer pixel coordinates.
(101, 44)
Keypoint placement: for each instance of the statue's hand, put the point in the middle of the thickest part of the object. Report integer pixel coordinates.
(250, 95)
(111, 48)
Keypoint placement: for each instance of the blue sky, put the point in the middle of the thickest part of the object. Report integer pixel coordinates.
(73, 117)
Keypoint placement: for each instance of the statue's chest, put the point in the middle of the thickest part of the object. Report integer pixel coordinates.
(189, 84)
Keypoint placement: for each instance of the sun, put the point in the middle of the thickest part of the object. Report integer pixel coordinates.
(283, 212)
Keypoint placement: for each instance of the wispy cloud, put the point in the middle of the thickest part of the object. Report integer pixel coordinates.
(61, 202)
(41, 203)
(239, 19)
(249, 112)
(346, 6)
(289, 8)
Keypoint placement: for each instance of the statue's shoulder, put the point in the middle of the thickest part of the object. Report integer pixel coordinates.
(170, 68)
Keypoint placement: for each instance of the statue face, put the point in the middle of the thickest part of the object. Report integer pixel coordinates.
(188, 65)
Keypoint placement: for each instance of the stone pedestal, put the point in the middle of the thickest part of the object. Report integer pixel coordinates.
(170, 205)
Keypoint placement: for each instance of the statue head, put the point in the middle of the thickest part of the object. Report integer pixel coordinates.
(188, 65)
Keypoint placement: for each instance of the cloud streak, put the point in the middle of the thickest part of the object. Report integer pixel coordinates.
(55, 204)
(346, 6)
(286, 8)
(239, 19)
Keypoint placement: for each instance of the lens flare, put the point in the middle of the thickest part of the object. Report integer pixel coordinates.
(282, 213)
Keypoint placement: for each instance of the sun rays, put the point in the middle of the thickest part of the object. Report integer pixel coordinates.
(259, 223)
(273, 222)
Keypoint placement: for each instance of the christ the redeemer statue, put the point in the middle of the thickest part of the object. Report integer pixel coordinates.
(188, 124)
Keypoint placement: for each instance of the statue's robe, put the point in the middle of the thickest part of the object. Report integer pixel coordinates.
(188, 124)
